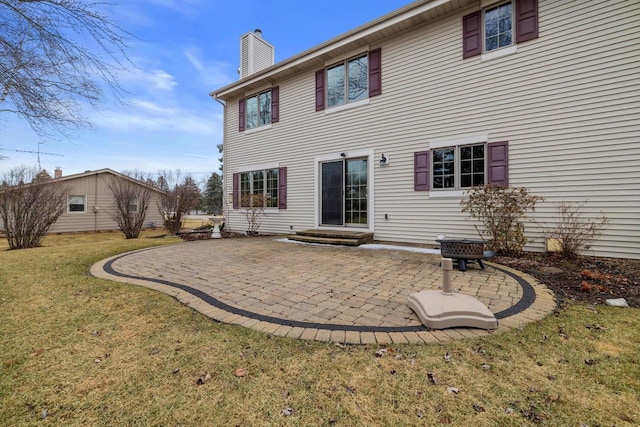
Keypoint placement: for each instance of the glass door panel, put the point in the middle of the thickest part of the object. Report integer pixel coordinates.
(356, 192)
(332, 193)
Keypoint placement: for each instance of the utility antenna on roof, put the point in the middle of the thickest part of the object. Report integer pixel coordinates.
(34, 152)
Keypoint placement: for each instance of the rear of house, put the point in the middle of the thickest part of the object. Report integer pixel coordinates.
(385, 128)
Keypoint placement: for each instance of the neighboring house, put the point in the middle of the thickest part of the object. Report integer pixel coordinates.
(90, 203)
(385, 127)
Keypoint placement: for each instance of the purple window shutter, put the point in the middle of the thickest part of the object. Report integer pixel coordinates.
(526, 20)
(282, 188)
(421, 171)
(275, 104)
(236, 191)
(320, 90)
(471, 34)
(498, 163)
(241, 115)
(375, 74)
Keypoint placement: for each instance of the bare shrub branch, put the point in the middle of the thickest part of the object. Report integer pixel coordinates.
(180, 195)
(572, 232)
(53, 55)
(30, 202)
(131, 199)
(252, 205)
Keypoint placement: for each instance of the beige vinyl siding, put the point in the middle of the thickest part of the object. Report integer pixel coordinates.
(567, 102)
(94, 187)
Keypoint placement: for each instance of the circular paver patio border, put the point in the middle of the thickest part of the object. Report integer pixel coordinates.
(536, 302)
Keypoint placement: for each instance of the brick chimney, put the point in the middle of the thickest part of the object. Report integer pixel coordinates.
(58, 172)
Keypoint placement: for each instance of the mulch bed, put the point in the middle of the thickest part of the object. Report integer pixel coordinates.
(589, 279)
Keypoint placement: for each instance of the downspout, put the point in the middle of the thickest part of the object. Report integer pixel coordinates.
(95, 206)
(224, 156)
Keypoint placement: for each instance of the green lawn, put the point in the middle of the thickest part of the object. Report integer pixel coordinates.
(79, 351)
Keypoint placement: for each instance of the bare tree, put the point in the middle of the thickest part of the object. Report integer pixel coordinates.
(53, 55)
(131, 200)
(30, 202)
(180, 194)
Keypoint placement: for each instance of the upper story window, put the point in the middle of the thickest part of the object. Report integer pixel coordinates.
(260, 109)
(77, 204)
(499, 25)
(351, 80)
(348, 81)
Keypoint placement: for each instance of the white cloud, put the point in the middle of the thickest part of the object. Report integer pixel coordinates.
(146, 115)
(149, 80)
(212, 74)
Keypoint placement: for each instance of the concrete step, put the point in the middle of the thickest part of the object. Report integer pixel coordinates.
(332, 237)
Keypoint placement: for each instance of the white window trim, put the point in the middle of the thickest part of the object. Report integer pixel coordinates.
(257, 167)
(503, 51)
(257, 129)
(464, 140)
(86, 199)
(370, 155)
(249, 95)
(457, 143)
(342, 58)
(350, 105)
(499, 53)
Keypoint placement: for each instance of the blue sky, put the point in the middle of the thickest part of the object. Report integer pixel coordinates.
(182, 50)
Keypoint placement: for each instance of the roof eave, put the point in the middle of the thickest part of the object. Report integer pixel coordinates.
(315, 55)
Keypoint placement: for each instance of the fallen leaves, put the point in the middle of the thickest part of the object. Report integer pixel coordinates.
(240, 372)
(453, 390)
(432, 378)
(203, 378)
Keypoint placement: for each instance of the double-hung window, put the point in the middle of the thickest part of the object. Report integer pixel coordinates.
(77, 204)
(347, 81)
(259, 109)
(263, 183)
(356, 78)
(498, 25)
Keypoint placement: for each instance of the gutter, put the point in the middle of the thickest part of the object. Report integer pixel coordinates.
(316, 53)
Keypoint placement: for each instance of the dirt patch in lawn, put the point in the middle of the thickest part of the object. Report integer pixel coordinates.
(589, 279)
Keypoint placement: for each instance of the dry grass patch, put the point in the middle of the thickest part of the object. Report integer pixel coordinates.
(76, 350)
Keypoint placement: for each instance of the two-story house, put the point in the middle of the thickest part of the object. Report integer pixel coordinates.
(384, 128)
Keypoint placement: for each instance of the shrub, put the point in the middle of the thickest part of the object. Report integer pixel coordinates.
(252, 205)
(501, 211)
(573, 232)
(30, 202)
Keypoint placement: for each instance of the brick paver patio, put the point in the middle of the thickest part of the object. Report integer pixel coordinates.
(325, 293)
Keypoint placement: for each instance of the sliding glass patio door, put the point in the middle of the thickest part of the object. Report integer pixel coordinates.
(344, 198)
